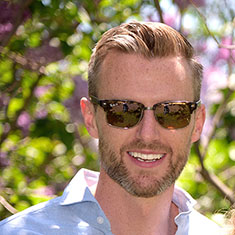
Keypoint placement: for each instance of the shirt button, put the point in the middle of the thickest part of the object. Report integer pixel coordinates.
(100, 220)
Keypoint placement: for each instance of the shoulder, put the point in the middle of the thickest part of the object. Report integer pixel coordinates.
(189, 220)
(75, 211)
(53, 218)
(29, 218)
(200, 224)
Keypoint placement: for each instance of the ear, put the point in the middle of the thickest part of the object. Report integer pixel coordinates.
(199, 122)
(88, 113)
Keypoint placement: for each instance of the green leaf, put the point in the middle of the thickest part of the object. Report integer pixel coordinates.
(15, 105)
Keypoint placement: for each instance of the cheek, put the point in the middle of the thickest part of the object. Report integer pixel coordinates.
(101, 123)
(180, 139)
(115, 138)
(108, 134)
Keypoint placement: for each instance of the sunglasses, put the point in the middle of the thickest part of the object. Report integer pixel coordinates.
(126, 113)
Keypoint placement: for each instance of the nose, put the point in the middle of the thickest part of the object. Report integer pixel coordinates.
(148, 128)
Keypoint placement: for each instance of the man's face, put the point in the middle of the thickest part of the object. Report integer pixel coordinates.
(123, 153)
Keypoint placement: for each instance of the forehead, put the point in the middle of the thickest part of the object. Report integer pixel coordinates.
(132, 76)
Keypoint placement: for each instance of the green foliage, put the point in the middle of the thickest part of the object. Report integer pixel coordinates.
(43, 141)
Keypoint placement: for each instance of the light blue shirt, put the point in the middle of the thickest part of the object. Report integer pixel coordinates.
(78, 212)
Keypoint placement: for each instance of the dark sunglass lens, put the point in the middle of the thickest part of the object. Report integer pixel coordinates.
(173, 116)
(124, 114)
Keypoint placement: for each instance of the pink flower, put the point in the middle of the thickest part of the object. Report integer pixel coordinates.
(171, 20)
(214, 79)
(224, 53)
(41, 113)
(182, 4)
(4, 161)
(24, 122)
(73, 103)
(41, 90)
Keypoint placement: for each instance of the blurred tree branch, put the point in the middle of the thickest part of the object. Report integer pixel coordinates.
(6, 205)
(213, 179)
(21, 60)
(159, 10)
(23, 4)
(210, 177)
(13, 122)
(220, 45)
(216, 119)
(33, 66)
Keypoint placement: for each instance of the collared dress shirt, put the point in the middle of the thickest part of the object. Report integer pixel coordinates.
(78, 212)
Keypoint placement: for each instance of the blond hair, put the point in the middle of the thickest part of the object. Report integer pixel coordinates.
(149, 39)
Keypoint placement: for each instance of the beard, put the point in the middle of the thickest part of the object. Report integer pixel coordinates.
(143, 184)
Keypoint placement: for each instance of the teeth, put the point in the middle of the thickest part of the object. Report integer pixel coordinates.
(146, 157)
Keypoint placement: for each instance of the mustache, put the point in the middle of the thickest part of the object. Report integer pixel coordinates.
(154, 145)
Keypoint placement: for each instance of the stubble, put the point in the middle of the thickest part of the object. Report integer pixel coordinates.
(144, 184)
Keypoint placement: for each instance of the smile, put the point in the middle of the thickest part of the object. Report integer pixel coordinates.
(146, 157)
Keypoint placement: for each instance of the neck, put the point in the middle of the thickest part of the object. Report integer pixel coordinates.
(133, 215)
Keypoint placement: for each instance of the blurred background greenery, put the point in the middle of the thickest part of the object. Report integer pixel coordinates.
(44, 53)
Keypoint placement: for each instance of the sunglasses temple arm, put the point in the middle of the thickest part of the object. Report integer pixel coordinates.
(94, 100)
(195, 105)
(198, 103)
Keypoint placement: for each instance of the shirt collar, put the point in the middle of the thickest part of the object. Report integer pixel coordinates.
(183, 200)
(78, 189)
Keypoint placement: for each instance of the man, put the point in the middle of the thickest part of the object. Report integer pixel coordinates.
(144, 107)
